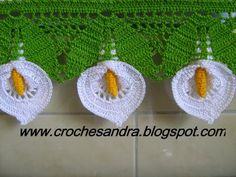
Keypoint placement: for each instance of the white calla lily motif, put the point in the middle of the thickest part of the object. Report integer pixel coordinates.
(111, 90)
(25, 90)
(204, 94)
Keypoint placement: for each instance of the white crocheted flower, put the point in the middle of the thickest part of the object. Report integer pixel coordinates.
(221, 86)
(92, 90)
(37, 94)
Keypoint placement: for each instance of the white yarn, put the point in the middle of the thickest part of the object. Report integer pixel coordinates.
(221, 90)
(36, 97)
(94, 96)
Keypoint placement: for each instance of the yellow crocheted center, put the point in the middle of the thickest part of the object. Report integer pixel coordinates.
(201, 81)
(18, 82)
(111, 83)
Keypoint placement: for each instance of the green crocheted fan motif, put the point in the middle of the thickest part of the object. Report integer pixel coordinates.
(157, 37)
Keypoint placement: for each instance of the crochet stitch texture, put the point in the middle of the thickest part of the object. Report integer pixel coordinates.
(92, 90)
(221, 90)
(157, 37)
(38, 91)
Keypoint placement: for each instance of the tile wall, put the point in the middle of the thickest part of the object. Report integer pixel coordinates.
(117, 156)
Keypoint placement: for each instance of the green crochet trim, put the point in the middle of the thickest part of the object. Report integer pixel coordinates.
(157, 37)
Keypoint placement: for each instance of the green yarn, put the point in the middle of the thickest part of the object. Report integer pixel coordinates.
(157, 37)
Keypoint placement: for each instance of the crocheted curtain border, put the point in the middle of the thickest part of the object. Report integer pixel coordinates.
(157, 37)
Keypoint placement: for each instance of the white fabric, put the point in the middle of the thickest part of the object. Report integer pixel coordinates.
(220, 92)
(94, 96)
(37, 94)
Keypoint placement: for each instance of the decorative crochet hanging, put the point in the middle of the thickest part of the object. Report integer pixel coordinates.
(112, 90)
(107, 43)
(205, 88)
(25, 90)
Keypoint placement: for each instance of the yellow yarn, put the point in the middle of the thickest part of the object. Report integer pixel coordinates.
(201, 81)
(18, 82)
(111, 82)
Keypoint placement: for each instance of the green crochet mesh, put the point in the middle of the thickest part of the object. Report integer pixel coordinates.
(157, 37)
